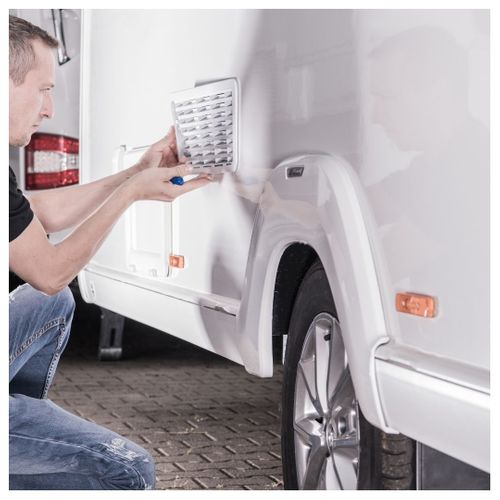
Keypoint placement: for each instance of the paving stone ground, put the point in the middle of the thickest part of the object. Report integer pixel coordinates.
(206, 421)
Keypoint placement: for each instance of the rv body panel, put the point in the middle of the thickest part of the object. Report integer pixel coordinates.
(390, 109)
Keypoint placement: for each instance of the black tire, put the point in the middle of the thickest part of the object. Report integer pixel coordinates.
(385, 461)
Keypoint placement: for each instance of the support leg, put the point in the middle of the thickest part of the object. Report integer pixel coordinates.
(111, 335)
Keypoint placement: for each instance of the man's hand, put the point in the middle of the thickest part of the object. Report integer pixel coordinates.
(154, 183)
(161, 154)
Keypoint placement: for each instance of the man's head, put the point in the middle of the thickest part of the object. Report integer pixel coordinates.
(31, 78)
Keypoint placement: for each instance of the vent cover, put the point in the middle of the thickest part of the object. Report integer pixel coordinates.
(206, 125)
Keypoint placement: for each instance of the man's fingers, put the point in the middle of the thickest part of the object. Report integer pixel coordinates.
(183, 169)
(170, 141)
(168, 149)
(179, 170)
(192, 184)
(167, 145)
(171, 135)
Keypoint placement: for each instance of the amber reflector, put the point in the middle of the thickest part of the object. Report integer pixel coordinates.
(414, 303)
(176, 261)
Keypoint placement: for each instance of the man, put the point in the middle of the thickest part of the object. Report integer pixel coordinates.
(49, 447)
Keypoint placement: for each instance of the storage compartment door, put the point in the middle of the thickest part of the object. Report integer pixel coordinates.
(148, 227)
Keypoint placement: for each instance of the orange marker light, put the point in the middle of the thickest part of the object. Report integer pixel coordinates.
(414, 303)
(176, 261)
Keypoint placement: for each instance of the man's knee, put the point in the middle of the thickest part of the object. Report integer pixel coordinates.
(27, 298)
(65, 303)
(139, 470)
(145, 466)
(60, 308)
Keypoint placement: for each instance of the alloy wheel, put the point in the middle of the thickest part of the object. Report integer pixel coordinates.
(326, 414)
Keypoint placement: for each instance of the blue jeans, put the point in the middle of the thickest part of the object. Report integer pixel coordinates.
(49, 447)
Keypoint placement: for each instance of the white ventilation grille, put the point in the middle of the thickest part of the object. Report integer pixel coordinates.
(206, 125)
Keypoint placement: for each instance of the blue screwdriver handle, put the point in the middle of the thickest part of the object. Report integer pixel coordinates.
(177, 180)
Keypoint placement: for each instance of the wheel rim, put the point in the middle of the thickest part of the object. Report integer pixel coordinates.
(326, 422)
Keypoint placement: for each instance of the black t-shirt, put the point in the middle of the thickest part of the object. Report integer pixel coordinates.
(20, 213)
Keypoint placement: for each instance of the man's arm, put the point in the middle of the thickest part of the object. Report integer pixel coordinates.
(49, 268)
(62, 208)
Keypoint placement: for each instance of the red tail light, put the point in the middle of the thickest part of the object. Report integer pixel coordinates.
(51, 161)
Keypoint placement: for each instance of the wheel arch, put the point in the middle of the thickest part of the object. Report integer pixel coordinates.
(294, 263)
(294, 225)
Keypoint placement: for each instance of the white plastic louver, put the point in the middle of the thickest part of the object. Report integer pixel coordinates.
(206, 125)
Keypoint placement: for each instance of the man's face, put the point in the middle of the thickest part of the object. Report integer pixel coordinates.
(31, 101)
